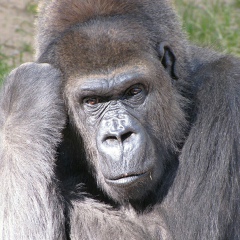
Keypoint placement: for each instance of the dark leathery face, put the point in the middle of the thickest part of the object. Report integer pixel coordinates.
(123, 146)
(120, 97)
(127, 154)
(110, 111)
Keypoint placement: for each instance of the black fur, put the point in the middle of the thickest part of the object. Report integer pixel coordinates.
(54, 183)
(31, 119)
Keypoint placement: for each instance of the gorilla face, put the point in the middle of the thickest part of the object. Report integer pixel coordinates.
(121, 99)
(120, 122)
(126, 152)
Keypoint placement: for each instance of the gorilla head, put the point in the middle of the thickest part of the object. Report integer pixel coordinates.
(119, 89)
(150, 149)
(121, 100)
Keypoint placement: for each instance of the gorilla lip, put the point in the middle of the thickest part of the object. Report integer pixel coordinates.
(126, 179)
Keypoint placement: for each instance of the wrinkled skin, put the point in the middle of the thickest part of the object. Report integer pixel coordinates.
(121, 129)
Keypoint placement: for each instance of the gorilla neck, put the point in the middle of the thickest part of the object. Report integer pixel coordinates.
(74, 172)
(151, 197)
(88, 184)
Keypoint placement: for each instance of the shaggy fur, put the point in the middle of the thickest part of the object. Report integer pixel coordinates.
(52, 186)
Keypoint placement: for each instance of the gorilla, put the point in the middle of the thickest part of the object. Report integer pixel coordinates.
(121, 129)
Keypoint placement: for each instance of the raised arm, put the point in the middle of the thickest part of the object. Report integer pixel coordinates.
(31, 120)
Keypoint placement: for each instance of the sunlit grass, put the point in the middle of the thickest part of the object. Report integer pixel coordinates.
(31, 7)
(4, 65)
(212, 23)
(9, 62)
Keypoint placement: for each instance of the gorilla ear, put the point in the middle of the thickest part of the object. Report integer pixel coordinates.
(168, 59)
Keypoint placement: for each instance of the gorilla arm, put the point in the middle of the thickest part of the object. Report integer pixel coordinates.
(31, 119)
(95, 221)
(208, 181)
(31, 205)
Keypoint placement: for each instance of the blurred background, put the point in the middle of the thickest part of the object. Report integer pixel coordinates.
(214, 23)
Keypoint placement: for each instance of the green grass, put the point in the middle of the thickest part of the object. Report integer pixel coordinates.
(214, 23)
(5, 67)
(9, 62)
(31, 7)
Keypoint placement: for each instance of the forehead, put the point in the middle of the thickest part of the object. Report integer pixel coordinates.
(99, 45)
(136, 71)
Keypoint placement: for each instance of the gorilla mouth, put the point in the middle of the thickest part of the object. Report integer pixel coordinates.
(126, 179)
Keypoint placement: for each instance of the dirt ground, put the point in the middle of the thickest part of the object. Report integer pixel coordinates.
(17, 30)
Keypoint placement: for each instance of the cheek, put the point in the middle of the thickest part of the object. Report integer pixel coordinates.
(164, 114)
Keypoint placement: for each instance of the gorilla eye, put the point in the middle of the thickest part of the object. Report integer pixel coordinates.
(91, 100)
(134, 91)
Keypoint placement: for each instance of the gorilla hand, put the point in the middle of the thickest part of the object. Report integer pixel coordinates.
(31, 119)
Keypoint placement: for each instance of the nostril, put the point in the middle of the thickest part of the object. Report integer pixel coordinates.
(110, 139)
(126, 136)
(116, 139)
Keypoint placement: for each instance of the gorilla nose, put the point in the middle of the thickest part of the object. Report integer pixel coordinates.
(118, 137)
(118, 129)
